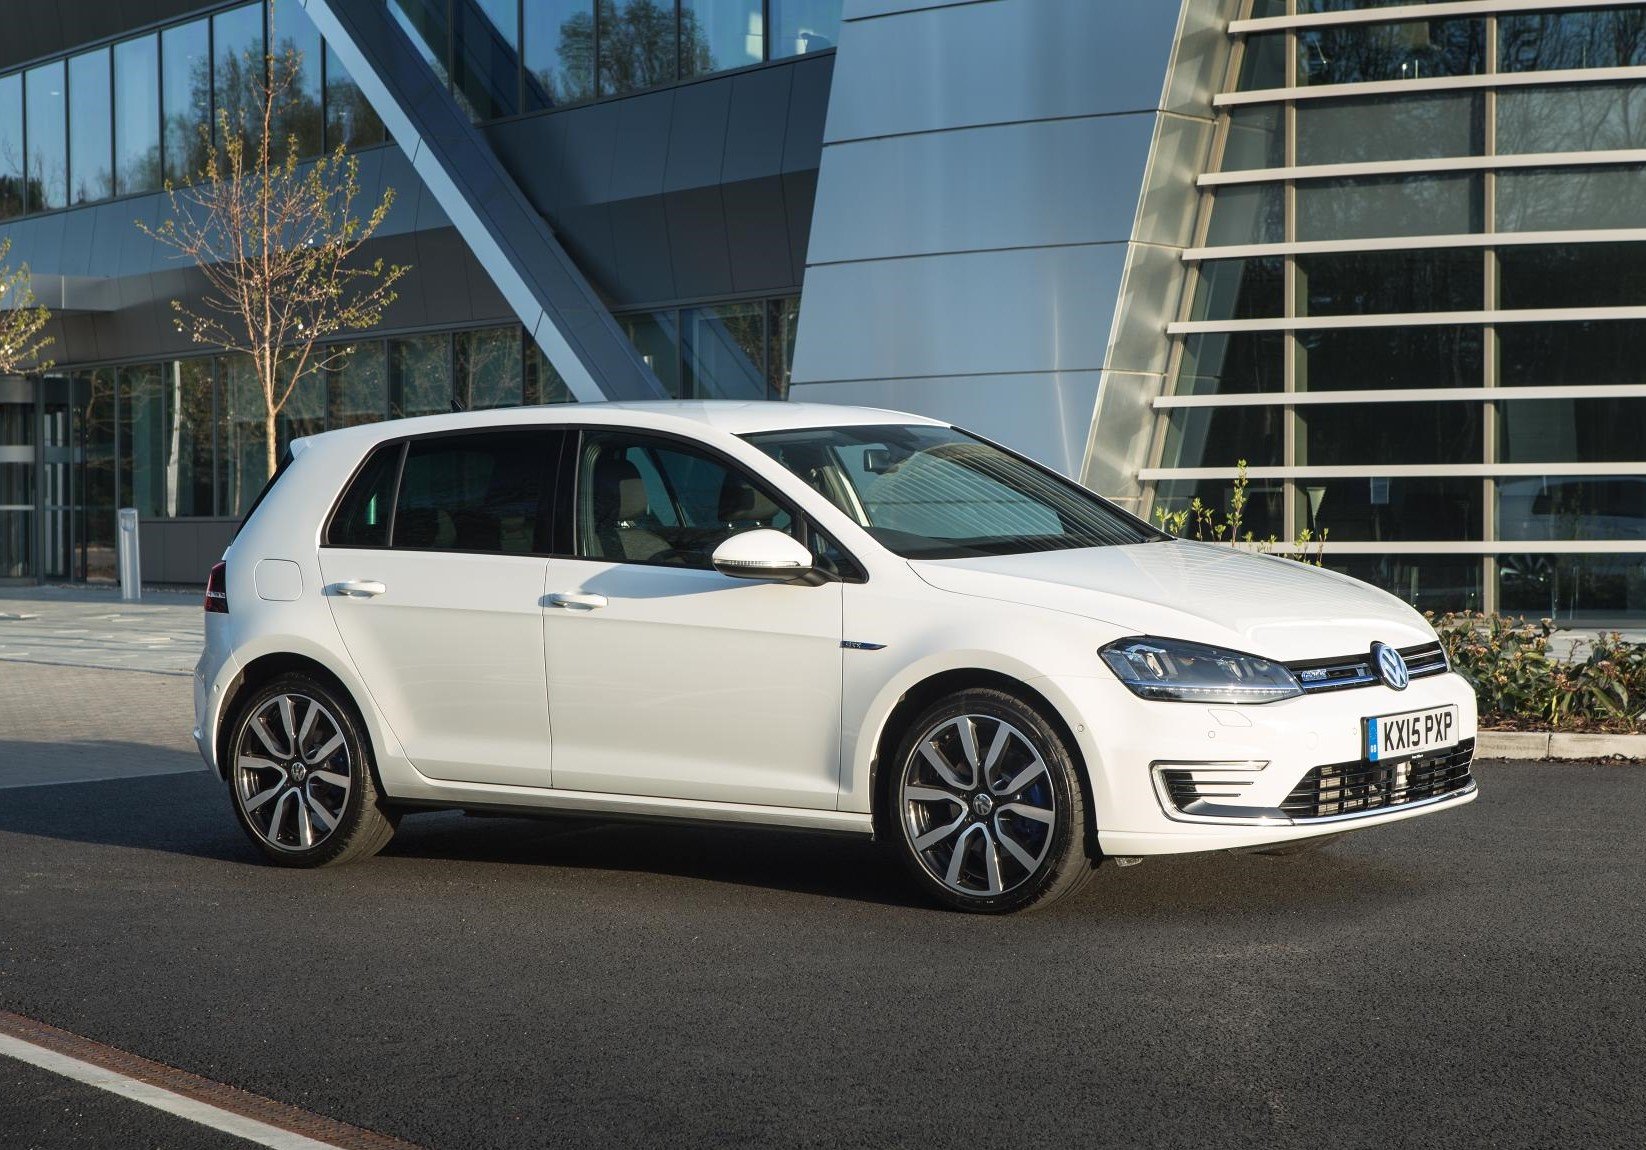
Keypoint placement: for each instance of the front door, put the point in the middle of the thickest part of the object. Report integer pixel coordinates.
(444, 619)
(667, 678)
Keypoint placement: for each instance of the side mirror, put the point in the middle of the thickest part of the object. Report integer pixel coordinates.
(764, 554)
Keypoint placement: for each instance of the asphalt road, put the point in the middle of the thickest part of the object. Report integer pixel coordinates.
(1474, 978)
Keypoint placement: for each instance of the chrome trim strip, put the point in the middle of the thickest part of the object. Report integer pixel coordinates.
(1273, 820)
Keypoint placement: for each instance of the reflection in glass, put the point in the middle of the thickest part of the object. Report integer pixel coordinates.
(1362, 434)
(97, 481)
(638, 45)
(91, 141)
(1400, 508)
(488, 368)
(1574, 275)
(169, 437)
(420, 381)
(1571, 118)
(1389, 206)
(1240, 289)
(486, 57)
(1572, 507)
(1223, 436)
(1247, 214)
(1232, 363)
(654, 335)
(559, 52)
(11, 145)
(427, 25)
(1263, 517)
(237, 70)
(296, 51)
(1590, 352)
(359, 387)
(47, 137)
(185, 99)
(1555, 199)
(137, 115)
(1592, 589)
(1263, 65)
(1255, 138)
(1387, 358)
(1556, 430)
(782, 327)
(723, 351)
(1390, 128)
(719, 34)
(350, 119)
(242, 460)
(1362, 283)
(801, 26)
(1427, 582)
(544, 383)
(1598, 38)
(1419, 50)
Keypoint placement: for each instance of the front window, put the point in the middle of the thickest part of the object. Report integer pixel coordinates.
(938, 493)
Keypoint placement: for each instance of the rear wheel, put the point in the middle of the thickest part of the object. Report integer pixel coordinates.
(989, 814)
(300, 776)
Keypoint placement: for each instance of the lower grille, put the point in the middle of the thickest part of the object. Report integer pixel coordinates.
(1353, 788)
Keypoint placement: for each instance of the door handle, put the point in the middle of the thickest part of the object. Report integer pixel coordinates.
(360, 588)
(577, 602)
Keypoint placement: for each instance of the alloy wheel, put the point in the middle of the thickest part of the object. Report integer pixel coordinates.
(293, 772)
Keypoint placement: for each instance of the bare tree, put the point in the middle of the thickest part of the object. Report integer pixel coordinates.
(21, 319)
(278, 241)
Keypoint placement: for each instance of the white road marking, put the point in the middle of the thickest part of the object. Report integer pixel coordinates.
(205, 1114)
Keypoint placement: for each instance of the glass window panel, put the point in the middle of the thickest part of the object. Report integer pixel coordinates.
(137, 115)
(1263, 516)
(1417, 50)
(1598, 38)
(420, 381)
(559, 52)
(1262, 9)
(350, 120)
(725, 351)
(296, 50)
(427, 23)
(99, 475)
(237, 69)
(91, 138)
(16, 484)
(544, 383)
(1256, 138)
(1572, 507)
(1389, 206)
(246, 458)
(488, 368)
(478, 493)
(719, 34)
(185, 98)
(16, 425)
(1247, 214)
(359, 386)
(486, 57)
(1428, 582)
(1362, 434)
(656, 336)
(1362, 283)
(801, 26)
(1386, 358)
(362, 516)
(47, 137)
(1574, 118)
(1572, 430)
(1553, 199)
(1232, 363)
(1575, 275)
(1573, 589)
(1396, 509)
(1311, 7)
(1240, 289)
(1385, 128)
(1551, 354)
(11, 145)
(638, 45)
(782, 328)
(16, 544)
(1263, 65)
(170, 431)
(1223, 436)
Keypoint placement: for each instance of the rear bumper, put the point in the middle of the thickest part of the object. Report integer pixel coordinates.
(214, 678)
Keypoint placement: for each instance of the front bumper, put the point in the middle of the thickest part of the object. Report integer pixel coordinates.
(1258, 765)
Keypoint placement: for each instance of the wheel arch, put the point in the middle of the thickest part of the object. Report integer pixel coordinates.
(264, 669)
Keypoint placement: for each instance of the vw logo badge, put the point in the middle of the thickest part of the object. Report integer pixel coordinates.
(1391, 668)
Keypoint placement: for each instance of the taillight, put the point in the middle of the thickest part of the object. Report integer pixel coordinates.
(217, 588)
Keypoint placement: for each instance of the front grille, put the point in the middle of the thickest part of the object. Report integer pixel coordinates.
(1354, 788)
(1316, 675)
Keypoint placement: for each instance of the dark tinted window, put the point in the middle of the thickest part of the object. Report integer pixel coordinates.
(480, 493)
(362, 518)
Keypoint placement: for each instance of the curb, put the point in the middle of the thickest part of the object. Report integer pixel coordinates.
(1556, 745)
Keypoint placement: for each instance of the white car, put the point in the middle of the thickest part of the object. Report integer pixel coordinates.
(793, 615)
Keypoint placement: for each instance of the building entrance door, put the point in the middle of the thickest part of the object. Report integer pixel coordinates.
(18, 435)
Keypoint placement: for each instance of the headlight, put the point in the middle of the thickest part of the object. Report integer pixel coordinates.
(1192, 673)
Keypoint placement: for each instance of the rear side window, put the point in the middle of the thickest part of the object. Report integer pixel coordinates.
(478, 493)
(362, 516)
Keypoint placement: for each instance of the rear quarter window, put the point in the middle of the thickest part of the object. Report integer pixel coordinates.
(363, 515)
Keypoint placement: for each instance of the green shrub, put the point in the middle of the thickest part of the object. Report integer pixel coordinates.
(1521, 684)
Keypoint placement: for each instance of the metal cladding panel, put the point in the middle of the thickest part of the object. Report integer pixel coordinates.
(1017, 185)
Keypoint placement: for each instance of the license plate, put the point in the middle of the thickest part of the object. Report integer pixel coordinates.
(1411, 733)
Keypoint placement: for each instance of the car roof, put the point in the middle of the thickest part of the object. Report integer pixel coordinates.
(732, 417)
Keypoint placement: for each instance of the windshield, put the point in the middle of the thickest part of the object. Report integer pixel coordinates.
(938, 493)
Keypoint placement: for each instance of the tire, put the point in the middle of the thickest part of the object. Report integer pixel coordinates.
(1015, 841)
(284, 794)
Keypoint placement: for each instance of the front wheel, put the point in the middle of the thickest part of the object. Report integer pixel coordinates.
(989, 812)
(300, 776)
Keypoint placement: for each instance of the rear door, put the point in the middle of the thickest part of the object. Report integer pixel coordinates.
(435, 567)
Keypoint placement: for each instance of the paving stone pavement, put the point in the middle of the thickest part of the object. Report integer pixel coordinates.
(92, 627)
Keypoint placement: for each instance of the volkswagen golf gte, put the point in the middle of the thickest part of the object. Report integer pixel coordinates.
(823, 618)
